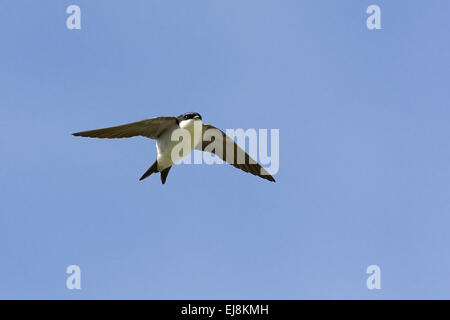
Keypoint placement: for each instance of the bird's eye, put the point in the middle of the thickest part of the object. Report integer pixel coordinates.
(186, 117)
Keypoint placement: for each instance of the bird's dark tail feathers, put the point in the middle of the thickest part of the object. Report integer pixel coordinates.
(152, 169)
(164, 174)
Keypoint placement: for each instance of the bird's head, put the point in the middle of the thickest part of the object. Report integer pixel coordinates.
(189, 116)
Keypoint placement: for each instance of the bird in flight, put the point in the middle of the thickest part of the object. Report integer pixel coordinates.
(162, 129)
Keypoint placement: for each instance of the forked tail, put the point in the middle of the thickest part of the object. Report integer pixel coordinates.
(153, 169)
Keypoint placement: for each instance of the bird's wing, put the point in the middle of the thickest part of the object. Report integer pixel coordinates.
(239, 158)
(151, 128)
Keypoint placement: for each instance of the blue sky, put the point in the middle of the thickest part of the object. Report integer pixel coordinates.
(364, 150)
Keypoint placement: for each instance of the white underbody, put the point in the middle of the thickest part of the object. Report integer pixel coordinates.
(165, 145)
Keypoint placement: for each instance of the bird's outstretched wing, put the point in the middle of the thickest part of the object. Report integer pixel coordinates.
(151, 128)
(239, 158)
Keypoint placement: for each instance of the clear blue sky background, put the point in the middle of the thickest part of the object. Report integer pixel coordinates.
(364, 149)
